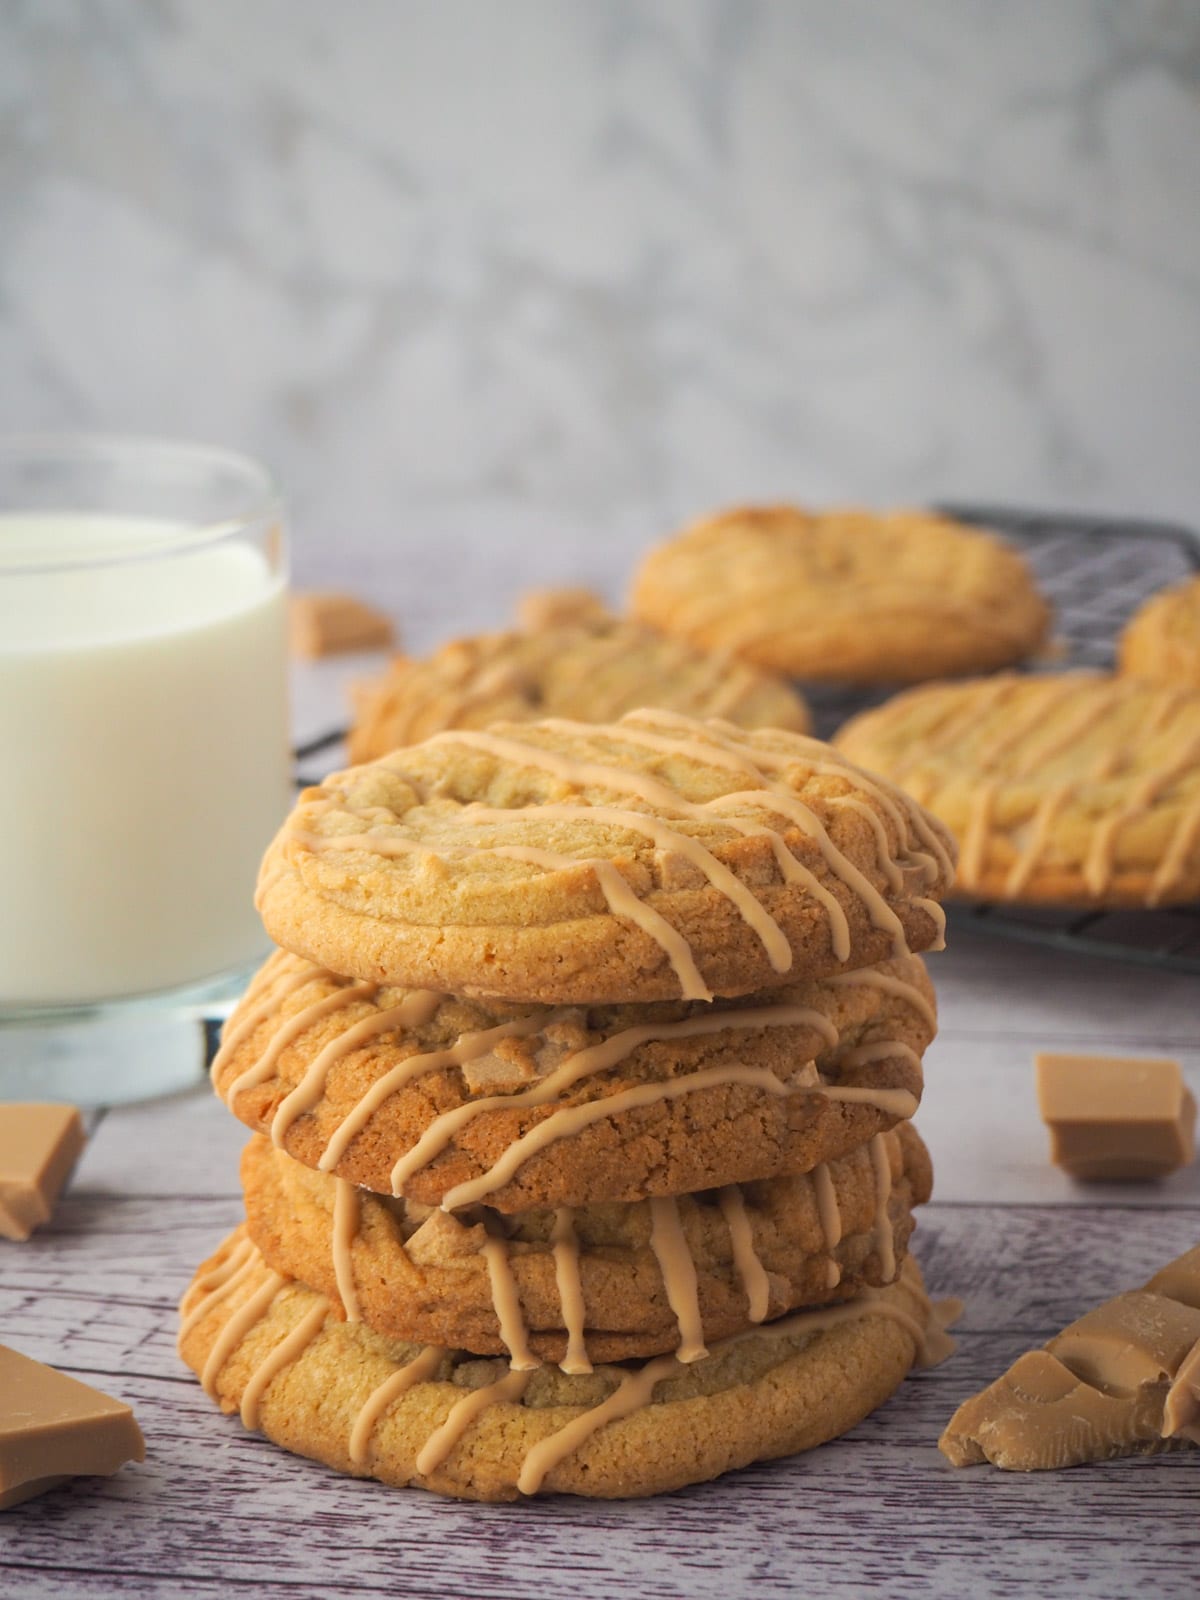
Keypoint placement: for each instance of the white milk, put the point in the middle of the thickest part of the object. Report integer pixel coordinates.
(143, 756)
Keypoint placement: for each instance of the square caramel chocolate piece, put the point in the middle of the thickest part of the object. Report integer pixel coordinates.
(39, 1144)
(53, 1427)
(1116, 1118)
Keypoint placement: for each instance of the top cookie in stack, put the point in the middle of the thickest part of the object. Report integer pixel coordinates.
(582, 1161)
(651, 859)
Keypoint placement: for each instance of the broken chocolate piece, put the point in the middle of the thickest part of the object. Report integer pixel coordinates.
(1039, 1415)
(323, 623)
(1116, 1118)
(1181, 1411)
(1100, 1388)
(39, 1144)
(53, 1427)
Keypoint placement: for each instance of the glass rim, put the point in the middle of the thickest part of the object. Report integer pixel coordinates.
(264, 497)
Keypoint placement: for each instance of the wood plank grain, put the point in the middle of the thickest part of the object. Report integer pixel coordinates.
(215, 1508)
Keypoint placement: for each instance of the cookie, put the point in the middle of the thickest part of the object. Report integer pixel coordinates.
(653, 858)
(572, 659)
(1161, 641)
(595, 1283)
(279, 1353)
(1075, 789)
(854, 596)
(454, 1101)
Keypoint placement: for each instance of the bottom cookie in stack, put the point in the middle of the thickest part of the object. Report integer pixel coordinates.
(393, 1340)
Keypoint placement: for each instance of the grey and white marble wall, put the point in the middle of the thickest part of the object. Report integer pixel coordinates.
(512, 288)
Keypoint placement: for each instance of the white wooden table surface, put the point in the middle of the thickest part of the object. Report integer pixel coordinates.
(215, 1510)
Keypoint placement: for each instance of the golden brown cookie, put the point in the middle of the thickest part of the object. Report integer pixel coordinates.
(1075, 789)
(605, 1282)
(571, 659)
(562, 862)
(1161, 641)
(279, 1353)
(856, 596)
(456, 1101)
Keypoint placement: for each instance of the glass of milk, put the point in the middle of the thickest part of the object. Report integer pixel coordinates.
(144, 761)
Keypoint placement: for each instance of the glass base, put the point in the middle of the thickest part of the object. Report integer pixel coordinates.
(118, 1052)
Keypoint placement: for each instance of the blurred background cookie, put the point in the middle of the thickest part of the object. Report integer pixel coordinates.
(570, 658)
(849, 595)
(1162, 639)
(1076, 789)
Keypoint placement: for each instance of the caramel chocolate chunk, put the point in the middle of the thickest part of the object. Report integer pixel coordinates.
(53, 1427)
(1179, 1279)
(1181, 1411)
(1039, 1415)
(1123, 1379)
(1116, 1118)
(39, 1144)
(323, 623)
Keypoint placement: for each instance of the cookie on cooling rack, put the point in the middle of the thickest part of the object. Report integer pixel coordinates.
(280, 1354)
(648, 859)
(1161, 641)
(845, 595)
(1075, 789)
(456, 1101)
(570, 658)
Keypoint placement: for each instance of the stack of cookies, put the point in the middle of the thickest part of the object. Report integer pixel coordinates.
(580, 1089)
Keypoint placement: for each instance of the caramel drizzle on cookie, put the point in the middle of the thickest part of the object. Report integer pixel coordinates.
(506, 1302)
(884, 1243)
(276, 1359)
(420, 1370)
(245, 1318)
(467, 1047)
(906, 816)
(592, 1059)
(660, 796)
(275, 993)
(215, 1285)
(887, 983)
(577, 773)
(746, 1261)
(346, 1219)
(1025, 744)
(830, 1217)
(413, 1010)
(419, 1006)
(462, 1413)
(669, 1245)
(678, 1268)
(569, 1281)
(571, 1120)
(291, 1029)
(634, 1390)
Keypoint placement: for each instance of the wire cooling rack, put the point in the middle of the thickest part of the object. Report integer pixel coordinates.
(1095, 571)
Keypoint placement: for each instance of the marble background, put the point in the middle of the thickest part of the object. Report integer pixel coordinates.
(505, 290)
